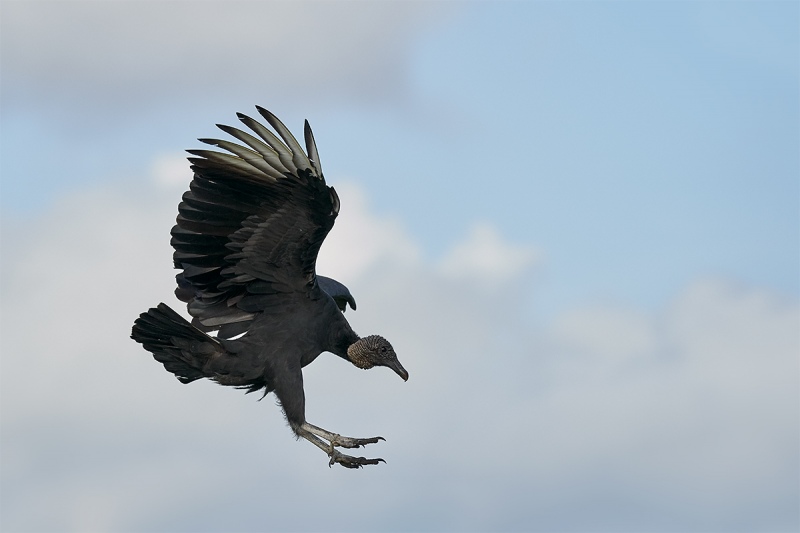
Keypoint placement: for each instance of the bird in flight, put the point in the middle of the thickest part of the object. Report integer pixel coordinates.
(246, 241)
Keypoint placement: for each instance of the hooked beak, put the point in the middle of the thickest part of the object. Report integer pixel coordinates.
(398, 369)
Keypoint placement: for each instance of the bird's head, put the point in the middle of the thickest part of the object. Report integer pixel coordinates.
(374, 350)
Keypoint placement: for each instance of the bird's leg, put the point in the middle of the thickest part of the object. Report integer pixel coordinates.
(327, 442)
(338, 440)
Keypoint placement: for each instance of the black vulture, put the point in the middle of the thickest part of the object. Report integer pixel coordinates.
(246, 241)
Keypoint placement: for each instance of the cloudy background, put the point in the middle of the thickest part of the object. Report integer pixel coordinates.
(577, 223)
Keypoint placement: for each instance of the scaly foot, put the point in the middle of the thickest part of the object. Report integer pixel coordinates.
(348, 461)
(328, 441)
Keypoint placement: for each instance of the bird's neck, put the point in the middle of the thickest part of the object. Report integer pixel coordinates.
(344, 338)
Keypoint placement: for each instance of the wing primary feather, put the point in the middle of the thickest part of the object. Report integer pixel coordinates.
(299, 157)
(284, 154)
(251, 157)
(231, 161)
(266, 151)
(311, 147)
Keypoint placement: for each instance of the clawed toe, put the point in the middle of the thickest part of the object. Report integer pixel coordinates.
(348, 461)
(350, 442)
(329, 441)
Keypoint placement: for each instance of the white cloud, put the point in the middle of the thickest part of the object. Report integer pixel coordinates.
(171, 171)
(129, 52)
(360, 240)
(681, 419)
(484, 257)
(616, 335)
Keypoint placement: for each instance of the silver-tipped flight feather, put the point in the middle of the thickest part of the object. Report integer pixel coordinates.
(298, 155)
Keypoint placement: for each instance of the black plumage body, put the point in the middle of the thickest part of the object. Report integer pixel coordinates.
(246, 240)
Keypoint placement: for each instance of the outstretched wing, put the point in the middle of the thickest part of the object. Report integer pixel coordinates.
(250, 227)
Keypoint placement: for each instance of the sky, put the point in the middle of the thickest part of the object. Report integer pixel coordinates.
(578, 223)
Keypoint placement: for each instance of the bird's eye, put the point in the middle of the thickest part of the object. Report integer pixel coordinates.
(383, 349)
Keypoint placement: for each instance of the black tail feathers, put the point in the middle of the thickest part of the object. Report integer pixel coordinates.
(180, 347)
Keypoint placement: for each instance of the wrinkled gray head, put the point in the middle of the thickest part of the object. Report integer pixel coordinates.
(373, 351)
